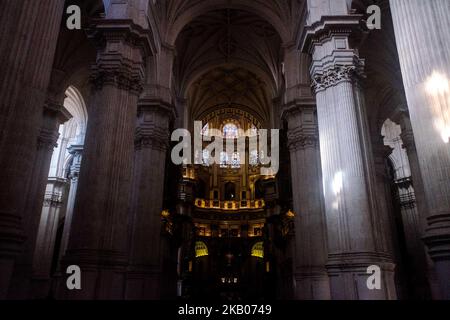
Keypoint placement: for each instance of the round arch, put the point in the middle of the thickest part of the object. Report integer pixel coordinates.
(75, 104)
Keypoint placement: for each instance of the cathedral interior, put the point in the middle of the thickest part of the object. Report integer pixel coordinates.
(87, 179)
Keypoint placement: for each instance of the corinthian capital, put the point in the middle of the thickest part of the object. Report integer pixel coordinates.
(301, 141)
(336, 74)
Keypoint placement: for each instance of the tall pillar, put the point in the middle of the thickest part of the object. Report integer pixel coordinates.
(420, 209)
(355, 234)
(310, 273)
(29, 31)
(381, 153)
(53, 116)
(98, 236)
(423, 42)
(53, 209)
(77, 153)
(152, 141)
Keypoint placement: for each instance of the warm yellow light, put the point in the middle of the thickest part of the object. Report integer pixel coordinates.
(258, 250)
(165, 213)
(437, 83)
(201, 250)
(290, 214)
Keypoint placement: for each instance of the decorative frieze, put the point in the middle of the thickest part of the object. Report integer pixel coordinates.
(299, 141)
(337, 74)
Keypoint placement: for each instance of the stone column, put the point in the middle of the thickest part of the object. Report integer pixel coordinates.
(98, 236)
(77, 153)
(420, 208)
(152, 141)
(381, 153)
(53, 116)
(310, 273)
(29, 31)
(423, 42)
(355, 234)
(53, 209)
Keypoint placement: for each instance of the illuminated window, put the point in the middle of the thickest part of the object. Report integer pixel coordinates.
(223, 159)
(258, 250)
(230, 131)
(203, 230)
(236, 161)
(206, 158)
(256, 230)
(254, 131)
(205, 130)
(201, 250)
(254, 158)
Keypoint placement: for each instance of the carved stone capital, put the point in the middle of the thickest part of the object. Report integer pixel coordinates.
(77, 152)
(122, 46)
(156, 142)
(47, 139)
(301, 141)
(408, 140)
(336, 74)
(302, 125)
(154, 118)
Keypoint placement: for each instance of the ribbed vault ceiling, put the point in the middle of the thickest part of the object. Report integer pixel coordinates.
(228, 57)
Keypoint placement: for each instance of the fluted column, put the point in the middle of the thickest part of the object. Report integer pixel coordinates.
(423, 42)
(419, 210)
(54, 115)
(152, 141)
(29, 31)
(77, 153)
(381, 153)
(52, 210)
(310, 273)
(98, 235)
(355, 236)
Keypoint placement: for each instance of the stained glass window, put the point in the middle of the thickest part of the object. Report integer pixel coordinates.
(236, 161)
(223, 159)
(254, 158)
(230, 131)
(206, 158)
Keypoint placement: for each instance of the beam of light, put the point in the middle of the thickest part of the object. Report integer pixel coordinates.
(437, 83)
(338, 183)
(437, 87)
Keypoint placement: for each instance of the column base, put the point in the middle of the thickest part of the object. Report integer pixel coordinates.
(437, 239)
(11, 240)
(103, 275)
(312, 284)
(143, 283)
(349, 276)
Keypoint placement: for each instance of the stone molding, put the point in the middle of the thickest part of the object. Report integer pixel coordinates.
(122, 46)
(152, 131)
